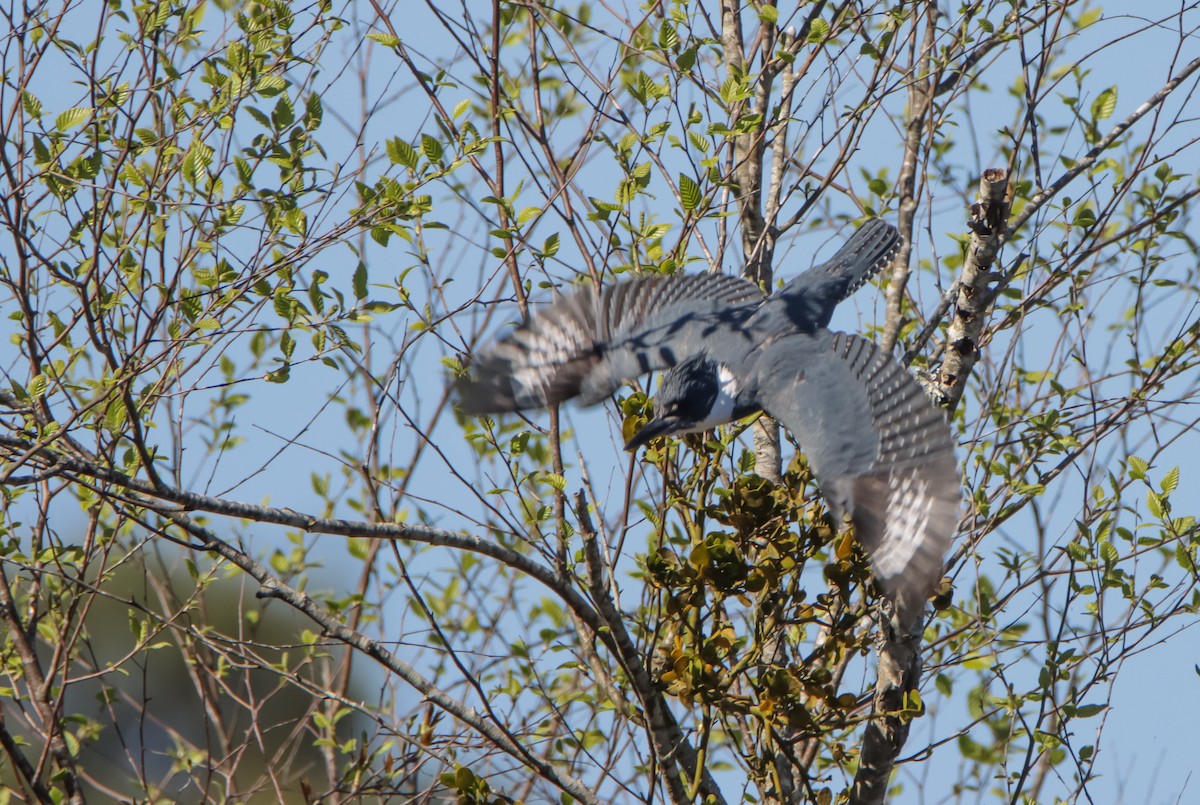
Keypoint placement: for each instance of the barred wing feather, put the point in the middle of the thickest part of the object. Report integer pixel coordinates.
(587, 343)
(881, 451)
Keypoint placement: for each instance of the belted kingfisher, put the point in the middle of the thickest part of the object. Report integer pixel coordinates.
(880, 450)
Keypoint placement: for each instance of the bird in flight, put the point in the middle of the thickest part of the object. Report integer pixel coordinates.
(881, 451)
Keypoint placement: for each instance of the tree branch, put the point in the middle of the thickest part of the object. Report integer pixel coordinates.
(989, 214)
(920, 104)
(41, 690)
(899, 672)
(758, 240)
(669, 743)
(1089, 159)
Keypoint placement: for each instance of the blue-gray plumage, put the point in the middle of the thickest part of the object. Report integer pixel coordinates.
(880, 450)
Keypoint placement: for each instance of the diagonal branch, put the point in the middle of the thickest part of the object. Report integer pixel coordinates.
(58, 463)
(1089, 159)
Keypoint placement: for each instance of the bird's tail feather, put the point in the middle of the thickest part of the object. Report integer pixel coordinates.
(863, 256)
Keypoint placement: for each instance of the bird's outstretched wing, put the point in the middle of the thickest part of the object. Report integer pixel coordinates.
(881, 451)
(807, 302)
(587, 343)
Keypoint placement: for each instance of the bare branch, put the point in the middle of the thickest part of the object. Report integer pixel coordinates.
(671, 746)
(989, 215)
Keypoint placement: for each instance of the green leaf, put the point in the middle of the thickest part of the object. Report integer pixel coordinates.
(1137, 468)
(284, 114)
(296, 220)
(668, 39)
(314, 112)
(463, 778)
(432, 148)
(60, 187)
(385, 39)
(733, 89)
(818, 32)
(1047, 740)
(1184, 557)
(1089, 710)
(944, 685)
(115, 416)
(270, 85)
(196, 162)
(1085, 217)
(244, 171)
(1105, 104)
(1170, 481)
(1155, 504)
(689, 192)
(31, 105)
(550, 247)
(979, 662)
(72, 118)
(555, 480)
(656, 231)
(401, 152)
(626, 191)
(285, 306)
(41, 152)
(461, 108)
(360, 281)
(37, 386)
(1108, 553)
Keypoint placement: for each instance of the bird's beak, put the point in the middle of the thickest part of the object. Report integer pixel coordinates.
(653, 429)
